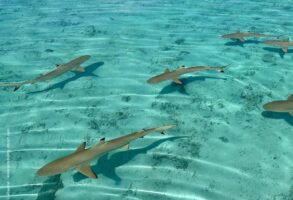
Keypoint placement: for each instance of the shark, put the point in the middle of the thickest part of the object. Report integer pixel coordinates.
(284, 44)
(280, 105)
(73, 65)
(173, 75)
(81, 158)
(240, 36)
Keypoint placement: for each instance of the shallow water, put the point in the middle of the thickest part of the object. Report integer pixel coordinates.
(224, 147)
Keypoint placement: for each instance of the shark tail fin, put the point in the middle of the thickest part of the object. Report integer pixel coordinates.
(16, 85)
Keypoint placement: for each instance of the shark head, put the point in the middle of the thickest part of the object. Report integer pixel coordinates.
(227, 36)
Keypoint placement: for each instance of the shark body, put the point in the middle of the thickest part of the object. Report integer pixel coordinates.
(284, 44)
(173, 75)
(81, 158)
(241, 36)
(281, 105)
(73, 65)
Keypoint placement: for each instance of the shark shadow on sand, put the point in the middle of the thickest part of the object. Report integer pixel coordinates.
(50, 187)
(278, 115)
(240, 43)
(172, 87)
(107, 164)
(89, 71)
(278, 50)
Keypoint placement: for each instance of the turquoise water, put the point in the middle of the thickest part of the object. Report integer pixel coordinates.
(231, 148)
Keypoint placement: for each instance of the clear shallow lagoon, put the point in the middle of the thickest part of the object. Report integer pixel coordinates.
(233, 149)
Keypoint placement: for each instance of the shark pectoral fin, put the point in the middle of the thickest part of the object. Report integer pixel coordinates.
(176, 80)
(241, 39)
(290, 98)
(86, 170)
(79, 69)
(18, 85)
(126, 146)
(167, 70)
(285, 49)
(81, 147)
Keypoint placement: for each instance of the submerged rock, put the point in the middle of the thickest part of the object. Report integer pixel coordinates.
(180, 41)
(126, 98)
(49, 50)
(224, 139)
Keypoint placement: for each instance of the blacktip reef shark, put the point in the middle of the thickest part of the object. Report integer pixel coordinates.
(81, 158)
(240, 36)
(73, 65)
(284, 44)
(281, 105)
(173, 75)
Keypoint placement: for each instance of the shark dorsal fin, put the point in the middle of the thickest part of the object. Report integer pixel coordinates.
(102, 140)
(81, 147)
(290, 98)
(86, 170)
(176, 80)
(167, 70)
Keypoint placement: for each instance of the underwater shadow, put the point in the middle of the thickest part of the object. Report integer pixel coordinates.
(107, 165)
(173, 87)
(50, 187)
(89, 71)
(239, 43)
(276, 115)
(278, 50)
